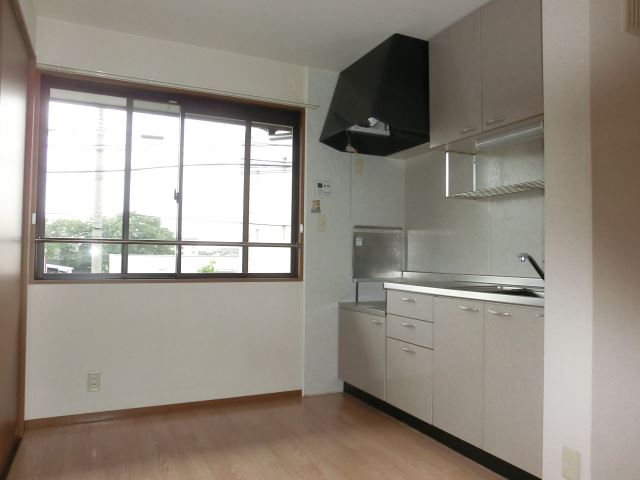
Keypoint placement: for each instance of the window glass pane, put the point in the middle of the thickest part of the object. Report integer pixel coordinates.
(155, 158)
(211, 260)
(77, 258)
(213, 180)
(152, 259)
(84, 171)
(269, 260)
(94, 139)
(271, 184)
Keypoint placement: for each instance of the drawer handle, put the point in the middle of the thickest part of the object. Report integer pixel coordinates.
(502, 314)
(408, 299)
(376, 322)
(540, 315)
(408, 325)
(408, 350)
(468, 309)
(468, 129)
(493, 121)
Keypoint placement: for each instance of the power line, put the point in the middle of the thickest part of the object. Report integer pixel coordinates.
(275, 164)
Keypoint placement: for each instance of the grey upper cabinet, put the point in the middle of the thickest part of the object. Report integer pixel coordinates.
(485, 71)
(511, 61)
(455, 87)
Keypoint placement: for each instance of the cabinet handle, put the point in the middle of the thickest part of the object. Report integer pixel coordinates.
(408, 299)
(468, 309)
(468, 129)
(540, 315)
(502, 314)
(376, 322)
(493, 121)
(408, 325)
(408, 350)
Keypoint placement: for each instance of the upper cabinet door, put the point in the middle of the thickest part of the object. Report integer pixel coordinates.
(455, 81)
(511, 61)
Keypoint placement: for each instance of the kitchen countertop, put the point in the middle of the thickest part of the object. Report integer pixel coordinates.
(457, 289)
(372, 308)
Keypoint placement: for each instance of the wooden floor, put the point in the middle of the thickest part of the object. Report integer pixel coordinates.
(325, 437)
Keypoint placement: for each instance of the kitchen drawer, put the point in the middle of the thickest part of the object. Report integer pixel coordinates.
(408, 330)
(409, 378)
(412, 305)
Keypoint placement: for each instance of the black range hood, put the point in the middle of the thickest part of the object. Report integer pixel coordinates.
(381, 102)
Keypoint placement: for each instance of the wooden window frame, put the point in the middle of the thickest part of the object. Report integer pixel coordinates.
(193, 103)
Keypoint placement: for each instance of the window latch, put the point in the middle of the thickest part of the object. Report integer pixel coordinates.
(177, 196)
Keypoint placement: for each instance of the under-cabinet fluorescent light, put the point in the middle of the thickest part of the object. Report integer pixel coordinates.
(511, 137)
(372, 126)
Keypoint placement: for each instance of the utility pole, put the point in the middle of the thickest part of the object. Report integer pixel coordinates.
(96, 249)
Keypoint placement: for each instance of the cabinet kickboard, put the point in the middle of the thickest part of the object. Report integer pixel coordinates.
(472, 452)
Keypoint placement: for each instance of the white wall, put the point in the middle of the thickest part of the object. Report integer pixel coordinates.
(95, 49)
(158, 344)
(474, 236)
(615, 124)
(30, 19)
(375, 198)
(152, 340)
(568, 240)
(161, 343)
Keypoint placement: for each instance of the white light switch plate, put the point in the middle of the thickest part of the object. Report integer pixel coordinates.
(359, 165)
(322, 223)
(570, 463)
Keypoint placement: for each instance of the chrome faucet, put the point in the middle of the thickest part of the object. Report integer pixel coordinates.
(523, 257)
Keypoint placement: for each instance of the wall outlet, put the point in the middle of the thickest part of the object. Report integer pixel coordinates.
(570, 463)
(93, 381)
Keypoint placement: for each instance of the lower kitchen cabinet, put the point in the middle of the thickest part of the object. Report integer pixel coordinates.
(513, 385)
(409, 378)
(362, 351)
(476, 372)
(459, 368)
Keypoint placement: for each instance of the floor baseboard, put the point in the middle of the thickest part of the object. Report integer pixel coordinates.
(472, 452)
(157, 409)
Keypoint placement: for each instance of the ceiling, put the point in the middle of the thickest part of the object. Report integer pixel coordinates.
(328, 34)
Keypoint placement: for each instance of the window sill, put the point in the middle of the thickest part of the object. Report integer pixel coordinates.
(71, 281)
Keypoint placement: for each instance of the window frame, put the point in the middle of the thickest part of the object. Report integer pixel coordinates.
(191, 103)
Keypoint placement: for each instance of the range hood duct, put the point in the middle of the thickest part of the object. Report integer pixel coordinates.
(381, 102)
